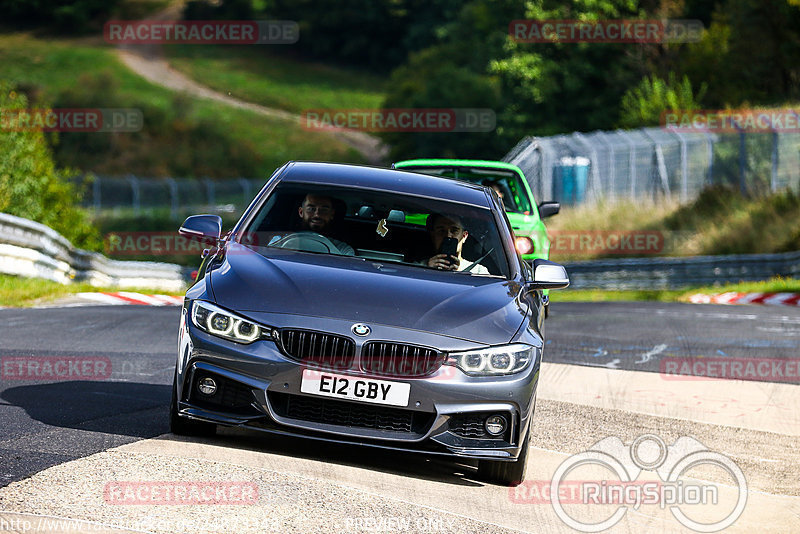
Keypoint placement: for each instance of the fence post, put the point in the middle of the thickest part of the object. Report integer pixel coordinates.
(684, 165)
(134, 181)
(631, 161)
(210, 196)
(245, 191)
(173, 197)
(773, 177)
(658, 161)
(612, 193)
(742, 160)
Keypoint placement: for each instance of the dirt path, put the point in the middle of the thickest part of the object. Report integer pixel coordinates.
(149, 63)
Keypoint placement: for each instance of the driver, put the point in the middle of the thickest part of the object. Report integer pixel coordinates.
(316, 215)
(441, 226)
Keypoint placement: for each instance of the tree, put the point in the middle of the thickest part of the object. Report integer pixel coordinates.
(645, 104)
(30, 185)
(429, 81)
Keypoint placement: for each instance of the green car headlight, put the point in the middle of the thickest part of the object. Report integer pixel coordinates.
(494, 361)
(224, 324)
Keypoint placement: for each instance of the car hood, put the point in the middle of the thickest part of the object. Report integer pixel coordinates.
(473, 308)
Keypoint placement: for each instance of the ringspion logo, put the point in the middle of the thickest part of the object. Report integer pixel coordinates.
(621, 466)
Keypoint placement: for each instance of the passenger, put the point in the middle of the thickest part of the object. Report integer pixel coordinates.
(498, 188)
(317, 214)
(440, 227)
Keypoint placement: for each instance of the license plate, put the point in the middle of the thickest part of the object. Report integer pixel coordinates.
(355, 388)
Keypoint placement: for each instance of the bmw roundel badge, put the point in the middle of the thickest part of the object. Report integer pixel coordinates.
(361, 329)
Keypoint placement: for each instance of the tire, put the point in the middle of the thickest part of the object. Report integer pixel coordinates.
(505, 473)
(181, 426)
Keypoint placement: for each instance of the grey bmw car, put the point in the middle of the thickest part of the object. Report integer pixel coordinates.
(369, 306)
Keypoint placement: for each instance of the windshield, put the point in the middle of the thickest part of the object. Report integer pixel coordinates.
(415, 231)
(505, 183)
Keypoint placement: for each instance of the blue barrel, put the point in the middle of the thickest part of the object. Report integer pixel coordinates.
(569, 180)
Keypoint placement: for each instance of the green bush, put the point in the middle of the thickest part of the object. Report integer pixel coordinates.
(645, 104)
(30, 185)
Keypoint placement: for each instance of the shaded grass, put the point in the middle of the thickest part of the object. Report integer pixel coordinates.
(181, 136)
(22, 292)
(264, 76)
(774, 285)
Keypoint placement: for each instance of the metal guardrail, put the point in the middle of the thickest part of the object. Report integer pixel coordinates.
(30, 249)
(677, 273)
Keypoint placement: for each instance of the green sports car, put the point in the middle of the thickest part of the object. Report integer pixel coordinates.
(508, 181)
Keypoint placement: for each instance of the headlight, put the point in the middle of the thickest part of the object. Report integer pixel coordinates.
(503, 360)
(524, 245)
(224, 324)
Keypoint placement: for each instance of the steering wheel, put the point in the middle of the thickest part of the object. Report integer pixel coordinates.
(307, 242)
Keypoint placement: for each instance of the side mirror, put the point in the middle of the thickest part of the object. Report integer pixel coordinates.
(548, 209)
(206, 227)
(548, 275)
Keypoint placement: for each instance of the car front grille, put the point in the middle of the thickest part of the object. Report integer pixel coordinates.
(469, 425)
(472, 425)
(350, 414)
(319, 348)
(399, 360)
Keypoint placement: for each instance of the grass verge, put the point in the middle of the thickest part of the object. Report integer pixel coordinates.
(17, 292)
(775, 285)
(180, 136)
(265, 77)
(719, 221)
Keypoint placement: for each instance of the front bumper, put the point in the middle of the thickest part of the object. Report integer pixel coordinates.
(260, 389)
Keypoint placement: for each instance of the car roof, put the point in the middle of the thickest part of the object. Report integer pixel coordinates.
(389, 180)
(482, 163)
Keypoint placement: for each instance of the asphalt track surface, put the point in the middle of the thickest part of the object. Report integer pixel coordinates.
(47, 423)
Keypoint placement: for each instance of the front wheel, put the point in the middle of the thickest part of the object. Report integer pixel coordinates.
(506, 473)
(182, 426)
